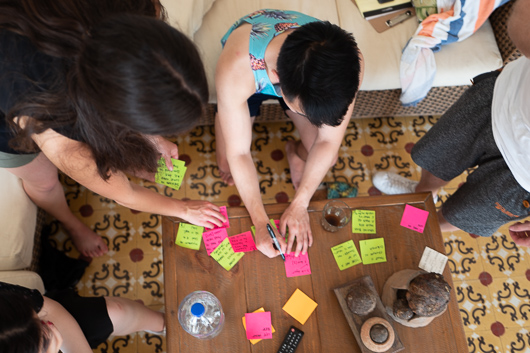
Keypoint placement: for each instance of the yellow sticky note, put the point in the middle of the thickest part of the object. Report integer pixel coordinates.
(260, 310)
(373, 250)
(346, 255)
(225, 255)
(172, 178)
(189, 236)
(363, 221)
(300, 306)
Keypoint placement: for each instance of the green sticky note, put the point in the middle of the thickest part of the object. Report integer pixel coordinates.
(172, 178)
(225, 255)
(363, 221)
(189, 236)
(373, 251)
(274, 224)
(346, 255)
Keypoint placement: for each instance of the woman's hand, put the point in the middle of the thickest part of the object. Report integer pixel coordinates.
(166, 148)
(203, 213)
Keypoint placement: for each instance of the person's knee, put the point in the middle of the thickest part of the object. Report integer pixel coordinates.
(116, 309)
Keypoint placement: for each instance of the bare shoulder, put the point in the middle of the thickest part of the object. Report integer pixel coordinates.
(233, 74)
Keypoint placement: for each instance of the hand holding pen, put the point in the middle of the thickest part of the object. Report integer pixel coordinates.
(275, 241)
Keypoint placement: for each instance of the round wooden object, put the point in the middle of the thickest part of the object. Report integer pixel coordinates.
(367, 340)
(401, 280)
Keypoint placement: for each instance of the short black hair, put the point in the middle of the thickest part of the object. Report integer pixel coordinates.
(319, 63)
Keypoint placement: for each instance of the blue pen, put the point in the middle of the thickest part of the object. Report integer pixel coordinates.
(275, 241)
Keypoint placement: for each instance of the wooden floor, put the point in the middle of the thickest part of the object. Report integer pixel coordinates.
(491, 275)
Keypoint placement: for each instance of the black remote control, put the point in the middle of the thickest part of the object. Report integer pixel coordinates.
(291, 340)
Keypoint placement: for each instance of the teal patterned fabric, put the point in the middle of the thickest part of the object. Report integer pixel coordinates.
(340, 189)
(266, 24)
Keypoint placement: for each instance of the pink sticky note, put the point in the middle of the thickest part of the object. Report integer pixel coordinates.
(226, 224)
(259, 325)
(297, 266)
(277, 223)
(213, 238)
(242, 242)
(414, 218)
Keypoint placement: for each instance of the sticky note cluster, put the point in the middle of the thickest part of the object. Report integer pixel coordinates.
(172, 178)
(225, 255)
(254, 341)
(373, 251)
(213, 238)
(224, 212)
(300, 306)
(346, 255)
(414, 218)
(433, 261)
(363, 221)
(189, 236)
(297, 266)
(242, 242)
(258, 325)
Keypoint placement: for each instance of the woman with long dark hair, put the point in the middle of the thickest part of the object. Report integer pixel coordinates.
(89, 87)
(33, 323)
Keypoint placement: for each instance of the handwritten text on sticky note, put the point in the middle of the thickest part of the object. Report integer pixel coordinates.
(346, 255)
(172, 178)
(189, 236)
(414, 218)
(259, 325)
(213, 238)
(225, 255)
(363, 221)
(297, 266)
(260, 310)
(433, 261)
(243, 242)
(373, 250)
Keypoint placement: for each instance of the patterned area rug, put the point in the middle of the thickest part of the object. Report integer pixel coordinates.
(491, 275)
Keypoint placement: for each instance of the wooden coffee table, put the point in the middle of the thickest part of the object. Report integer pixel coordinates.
(257, 281)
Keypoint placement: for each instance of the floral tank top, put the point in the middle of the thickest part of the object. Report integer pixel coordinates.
(266, 24)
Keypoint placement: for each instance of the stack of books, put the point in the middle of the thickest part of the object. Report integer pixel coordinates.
(371, 9)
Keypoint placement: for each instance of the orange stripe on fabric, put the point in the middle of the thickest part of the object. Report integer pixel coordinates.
(430, 22)
(485, 9)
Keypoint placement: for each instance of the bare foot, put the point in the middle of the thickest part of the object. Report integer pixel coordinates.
(86, 241)
(296, 164)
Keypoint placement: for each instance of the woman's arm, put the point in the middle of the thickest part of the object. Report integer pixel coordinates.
(75, 160)
(73, 338)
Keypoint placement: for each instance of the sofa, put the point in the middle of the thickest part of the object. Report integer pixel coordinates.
(206, 21)
(20, 223)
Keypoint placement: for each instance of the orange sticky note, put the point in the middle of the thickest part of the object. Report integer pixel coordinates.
(300, 306)
(260, 310)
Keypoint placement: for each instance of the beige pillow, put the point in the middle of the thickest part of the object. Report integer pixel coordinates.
(186, 15)
(26, 279)
(18, 217)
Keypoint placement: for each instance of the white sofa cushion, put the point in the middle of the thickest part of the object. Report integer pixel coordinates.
(26, 279)
(456, 62)
(18, 217)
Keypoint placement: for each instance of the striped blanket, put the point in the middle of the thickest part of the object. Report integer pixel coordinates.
(455, 21)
